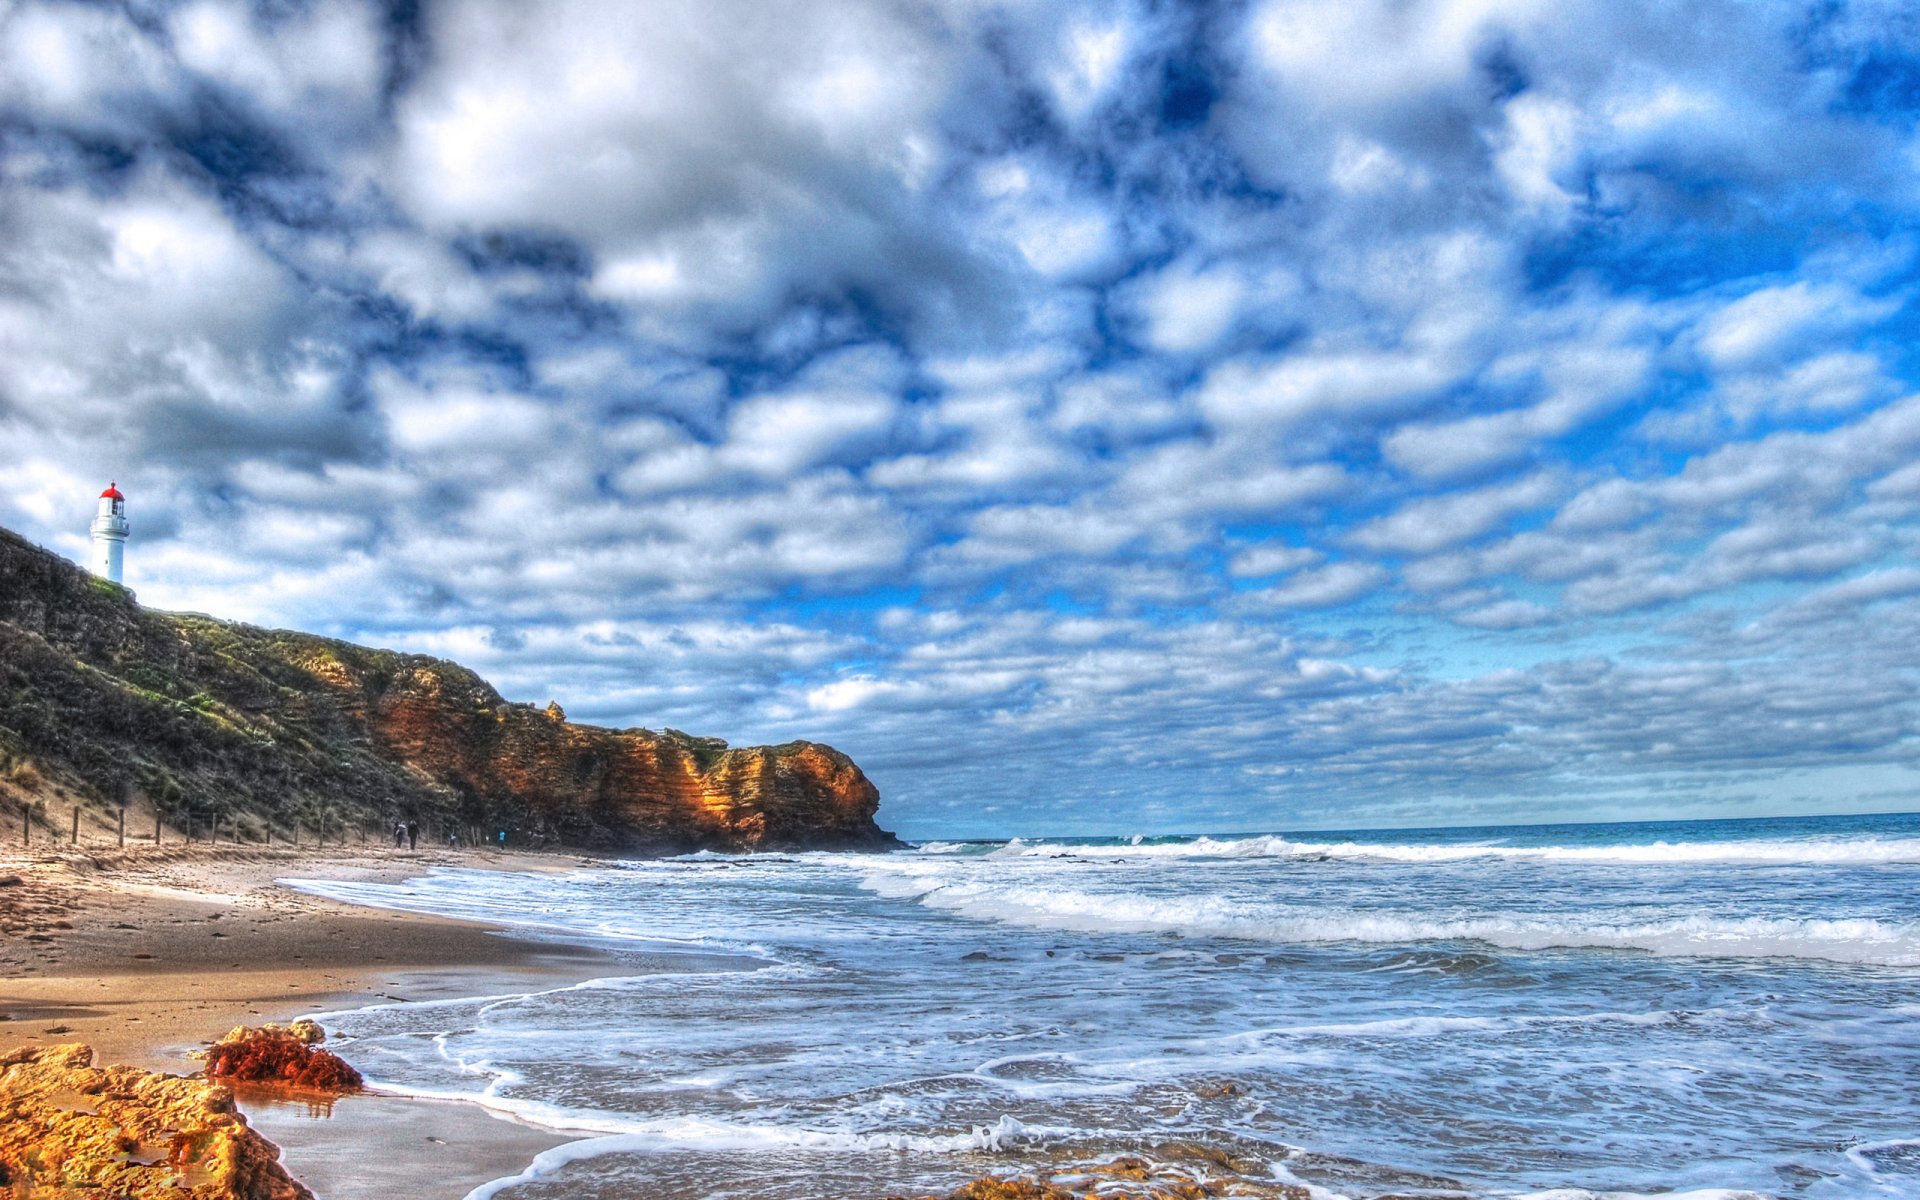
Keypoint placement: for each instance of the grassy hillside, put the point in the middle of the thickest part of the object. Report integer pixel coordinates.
(104, 702)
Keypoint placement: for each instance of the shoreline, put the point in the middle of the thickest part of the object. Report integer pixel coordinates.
(148, 954)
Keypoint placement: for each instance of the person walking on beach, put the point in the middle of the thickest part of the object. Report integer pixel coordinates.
(399, 834)
(413, 834)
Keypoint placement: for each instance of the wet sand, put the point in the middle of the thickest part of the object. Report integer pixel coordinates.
(147, 954)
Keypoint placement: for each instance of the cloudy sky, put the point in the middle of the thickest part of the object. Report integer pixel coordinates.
(1093, 417)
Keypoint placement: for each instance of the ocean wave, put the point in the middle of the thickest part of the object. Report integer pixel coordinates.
(1864, 851)
(658, 1137)
(1420, 1027)
(1897, 1158)
(1575, 1193)
(1856, 940)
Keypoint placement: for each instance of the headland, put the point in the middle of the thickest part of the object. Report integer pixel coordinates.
(114, 715)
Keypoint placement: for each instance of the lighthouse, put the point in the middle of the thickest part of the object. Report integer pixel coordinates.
(110, 534)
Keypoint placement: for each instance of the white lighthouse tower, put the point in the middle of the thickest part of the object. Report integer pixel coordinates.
(110, 530)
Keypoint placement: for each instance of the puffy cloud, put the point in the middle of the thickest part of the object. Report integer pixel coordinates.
(1827, 384)
(1340, 386)
(1185, 309)
(1580, 383)
(1259, 561)
(713, 159)
(1760, 327)
(1432, 524)
(304, 68)
(82, 66)
(1324, 587)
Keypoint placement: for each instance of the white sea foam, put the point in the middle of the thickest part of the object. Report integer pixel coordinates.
(1866, 850)
(497, 900)
(701, 1133)
(1698, 1194)
(1880, 1159)
(1046, 905)
(1413, 1027)
(683, 1135)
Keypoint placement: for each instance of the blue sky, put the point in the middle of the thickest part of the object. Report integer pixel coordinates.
(1092, 417)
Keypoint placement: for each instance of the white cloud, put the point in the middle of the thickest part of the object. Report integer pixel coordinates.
(777, 435)
(1060, 235)
(1186, 310)
(1260, 561)
(1424, 526)
(1504, 615)
(1120, 406)
(423, 274)
(1189, 479)
(1539, 147)
(1765, 325)
(1093, 55)
(992, 440)
(1296, 388)
(80, 64)
(1019, 533)
(1328, 50)
(1581, 383)
(1828, 384)
(305, 69)
(1324, 587)
(600, 125)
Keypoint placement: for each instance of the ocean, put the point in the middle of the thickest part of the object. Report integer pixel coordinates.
(1717, 1009)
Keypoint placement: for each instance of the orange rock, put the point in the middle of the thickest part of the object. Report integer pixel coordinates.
(1023, 1188)
(1173, 1171)
(288, 1058)
(69, 1128)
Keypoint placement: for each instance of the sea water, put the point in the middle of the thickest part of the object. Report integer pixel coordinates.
(1719, 1008)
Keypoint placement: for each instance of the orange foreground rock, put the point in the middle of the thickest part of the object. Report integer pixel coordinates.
(1177, 1171)
(288, 1058)
(69, 1129)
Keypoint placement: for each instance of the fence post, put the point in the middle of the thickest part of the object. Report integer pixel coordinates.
(123, 827)
(156, 824)
(76, 825)
(26, 824)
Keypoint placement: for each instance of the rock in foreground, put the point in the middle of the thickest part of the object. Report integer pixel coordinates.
(68, 1128)
(1173, 1171)
(288, 1057)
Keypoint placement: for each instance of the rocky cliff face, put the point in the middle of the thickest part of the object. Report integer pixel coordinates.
(106, 701)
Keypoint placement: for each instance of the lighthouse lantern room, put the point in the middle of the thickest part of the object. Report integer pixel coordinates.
(110, 530)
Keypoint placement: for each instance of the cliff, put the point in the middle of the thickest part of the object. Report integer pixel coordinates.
(106, 702)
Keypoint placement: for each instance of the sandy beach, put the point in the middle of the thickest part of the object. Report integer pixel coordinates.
(147, 954)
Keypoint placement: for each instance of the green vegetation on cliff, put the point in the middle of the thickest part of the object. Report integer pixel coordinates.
(110, 702)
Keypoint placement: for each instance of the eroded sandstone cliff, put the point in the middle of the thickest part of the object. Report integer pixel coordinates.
(271, 730)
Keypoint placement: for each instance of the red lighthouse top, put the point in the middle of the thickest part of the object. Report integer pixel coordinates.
(112, 492)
